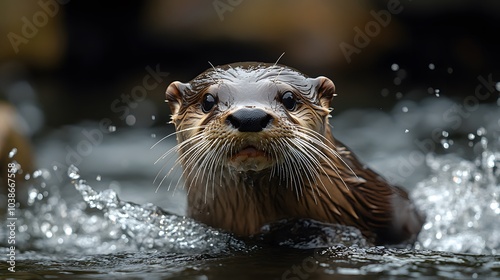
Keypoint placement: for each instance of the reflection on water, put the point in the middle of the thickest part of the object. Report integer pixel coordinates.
(70, 228)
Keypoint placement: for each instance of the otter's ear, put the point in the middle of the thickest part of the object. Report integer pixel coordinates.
(325, 89)
(174, 94)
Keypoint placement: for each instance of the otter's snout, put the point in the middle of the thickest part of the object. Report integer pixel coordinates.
(249, 120)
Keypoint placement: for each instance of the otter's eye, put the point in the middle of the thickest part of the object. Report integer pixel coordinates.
(208, 102)
(289, 101)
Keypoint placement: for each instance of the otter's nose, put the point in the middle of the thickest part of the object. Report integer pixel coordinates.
(249, 120)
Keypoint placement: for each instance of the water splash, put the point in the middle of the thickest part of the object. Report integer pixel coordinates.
(73, 172)
(54, 224)
(100, 223)
(152, 228)
(462, 198)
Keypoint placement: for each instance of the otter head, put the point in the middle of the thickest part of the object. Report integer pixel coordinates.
(252, 132)
(249, 117)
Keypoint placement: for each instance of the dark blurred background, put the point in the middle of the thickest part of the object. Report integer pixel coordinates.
(84, 55)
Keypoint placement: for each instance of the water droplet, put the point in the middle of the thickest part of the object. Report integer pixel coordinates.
(153, 135)
(73, 172)
(497, 86)
(27, 177)
(130, 120)
(407, 130)
(98, 178)
(490, 161)
(471, 136)
(399, 95)
(67, 229)
(494, 205)
(439, 235)
(450, 70)
(12, 153)
(404, 109)
(432, 66)
(112, 128)
(436, 92)
(445, 133)
(445, 144)
(394, 67)
(37, 173)
(32, 196)
(23, 228)
(481, 131)
(430, 90)
(153, 117)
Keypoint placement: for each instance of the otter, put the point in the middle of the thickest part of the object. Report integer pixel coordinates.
(255, 145)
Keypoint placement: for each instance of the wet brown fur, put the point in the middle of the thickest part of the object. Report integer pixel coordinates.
(322, 181)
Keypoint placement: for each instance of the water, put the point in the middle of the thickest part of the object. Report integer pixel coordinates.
(462, 198)
(117, 226)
